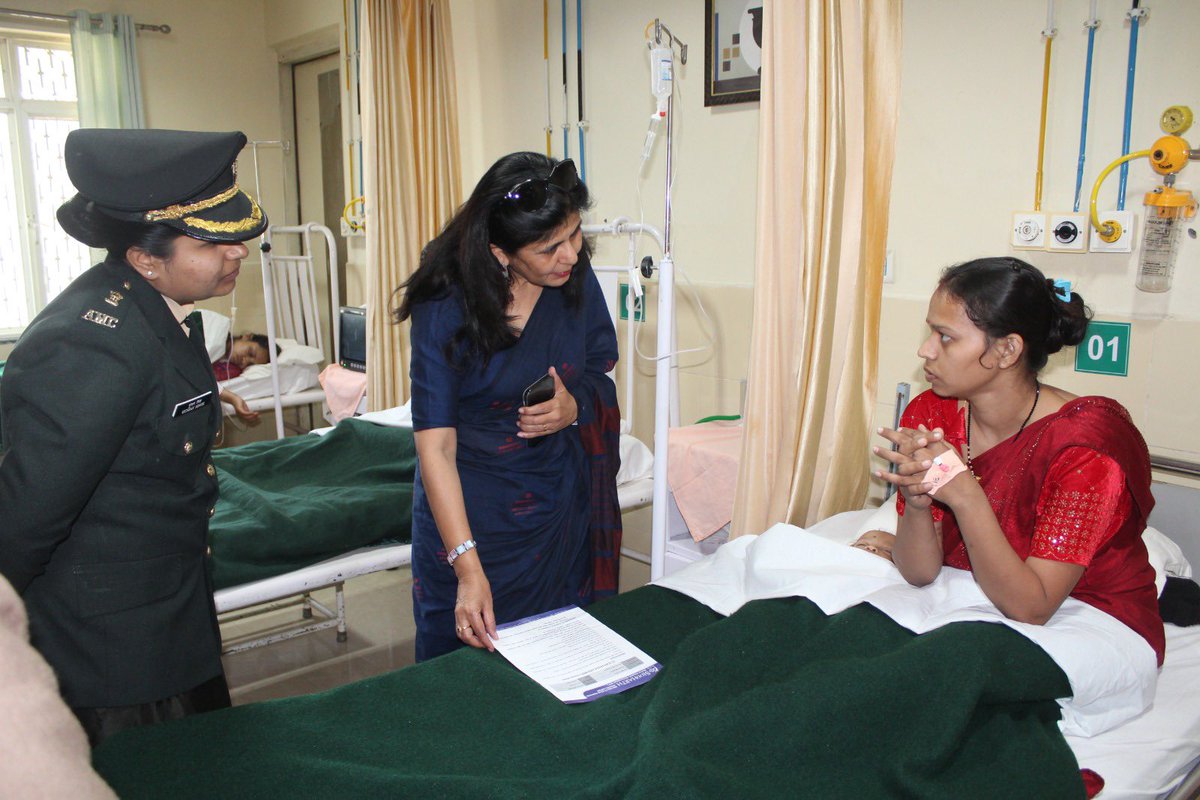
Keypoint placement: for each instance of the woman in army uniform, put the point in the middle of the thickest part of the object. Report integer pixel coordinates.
(110, 409)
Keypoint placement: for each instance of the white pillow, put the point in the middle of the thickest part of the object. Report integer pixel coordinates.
(885, 518)
(636, 460)
(216, 333)
(1165, 557)
(292, 352)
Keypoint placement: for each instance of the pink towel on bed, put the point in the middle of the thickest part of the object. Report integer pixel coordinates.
(702, 471)
(344, 390)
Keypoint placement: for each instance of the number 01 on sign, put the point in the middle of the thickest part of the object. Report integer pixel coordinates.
(1104, 349)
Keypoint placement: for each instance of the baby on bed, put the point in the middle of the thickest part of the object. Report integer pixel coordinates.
(230, 355)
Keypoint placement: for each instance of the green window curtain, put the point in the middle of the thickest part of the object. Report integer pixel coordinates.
(106, 70)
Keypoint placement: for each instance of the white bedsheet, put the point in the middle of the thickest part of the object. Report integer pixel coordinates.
(1147, 757)
(1112, 670)
(255, 381)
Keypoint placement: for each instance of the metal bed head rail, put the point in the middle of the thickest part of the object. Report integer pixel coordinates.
(291, 299)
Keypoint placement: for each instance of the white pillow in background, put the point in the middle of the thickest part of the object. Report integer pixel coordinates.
(637, 461)
(292, 352)
(216, 333)
(885, 518)
(1165, 557)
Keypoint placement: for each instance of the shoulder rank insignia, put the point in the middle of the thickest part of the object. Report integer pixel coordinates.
(114, 298)
(100, 318)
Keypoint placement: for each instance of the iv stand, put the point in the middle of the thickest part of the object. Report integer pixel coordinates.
(666, 378)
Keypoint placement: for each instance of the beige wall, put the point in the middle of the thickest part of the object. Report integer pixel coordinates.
(966, 159)
(502, 107)
(971, 79)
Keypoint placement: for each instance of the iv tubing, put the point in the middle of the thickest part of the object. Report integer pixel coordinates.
(546, 62)
(579, 85)
(1096, 224)
(1091, 25)
(566, 114)
(1049, 34)
(1135, 13)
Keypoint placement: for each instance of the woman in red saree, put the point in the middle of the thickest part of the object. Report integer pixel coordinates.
(1056, 488)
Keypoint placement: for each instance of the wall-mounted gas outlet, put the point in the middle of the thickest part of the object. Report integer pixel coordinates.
(1029, 230)
(1067, 233)
(1124, 243)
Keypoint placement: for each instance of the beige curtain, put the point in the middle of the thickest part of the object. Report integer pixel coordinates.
(830, 87)
(410, 163)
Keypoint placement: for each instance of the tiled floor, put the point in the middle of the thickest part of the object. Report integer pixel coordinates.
(380, 628)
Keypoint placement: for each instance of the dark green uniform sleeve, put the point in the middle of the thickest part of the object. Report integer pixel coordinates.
(71, 394)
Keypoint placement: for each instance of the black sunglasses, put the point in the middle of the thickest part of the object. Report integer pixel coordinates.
(530, 194)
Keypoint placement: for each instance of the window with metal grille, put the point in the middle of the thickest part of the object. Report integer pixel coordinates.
(37, 111)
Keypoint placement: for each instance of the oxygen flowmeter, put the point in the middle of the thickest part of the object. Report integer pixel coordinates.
(1166, 207)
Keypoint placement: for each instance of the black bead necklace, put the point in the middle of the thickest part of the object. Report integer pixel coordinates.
(1037, 395)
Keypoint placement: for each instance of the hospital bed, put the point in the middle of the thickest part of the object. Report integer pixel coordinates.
(311, 512)
(776, 700)
(293, 303)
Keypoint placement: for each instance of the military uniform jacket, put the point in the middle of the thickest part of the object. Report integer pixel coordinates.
(106, 487)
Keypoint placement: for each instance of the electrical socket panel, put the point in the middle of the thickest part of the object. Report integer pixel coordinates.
(889, 267)
(1028, 230)
(1124, 244)
(1068, 233)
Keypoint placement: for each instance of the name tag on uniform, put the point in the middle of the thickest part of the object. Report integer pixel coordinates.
(188, 406)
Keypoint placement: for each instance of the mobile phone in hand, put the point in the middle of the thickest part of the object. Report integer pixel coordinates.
(539, 391)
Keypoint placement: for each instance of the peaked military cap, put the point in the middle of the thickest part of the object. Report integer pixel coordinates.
(184, 179)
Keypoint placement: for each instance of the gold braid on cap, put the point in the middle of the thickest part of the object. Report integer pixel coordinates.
(183, 209)
(234, 226)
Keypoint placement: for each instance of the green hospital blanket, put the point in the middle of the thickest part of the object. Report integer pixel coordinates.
(294, 502)
(776, 701)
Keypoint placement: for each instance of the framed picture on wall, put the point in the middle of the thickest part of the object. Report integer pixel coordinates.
(732, 51)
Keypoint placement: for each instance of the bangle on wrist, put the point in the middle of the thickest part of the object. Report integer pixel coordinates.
(469, 544)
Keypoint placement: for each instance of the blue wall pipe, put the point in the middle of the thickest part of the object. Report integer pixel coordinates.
(566, 116)
(579, 84)
(1087, 93)
(1133, 37)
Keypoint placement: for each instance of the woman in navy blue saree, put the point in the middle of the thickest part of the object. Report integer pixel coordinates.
(514, 508)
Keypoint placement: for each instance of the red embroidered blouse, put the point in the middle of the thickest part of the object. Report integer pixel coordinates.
(1073, 487)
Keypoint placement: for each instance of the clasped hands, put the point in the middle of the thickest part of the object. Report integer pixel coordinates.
(549, 417)
(913, 455)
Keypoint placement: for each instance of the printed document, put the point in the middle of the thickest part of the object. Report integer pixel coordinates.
(573, 655)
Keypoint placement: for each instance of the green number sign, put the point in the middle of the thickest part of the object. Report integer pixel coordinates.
(1104, 349)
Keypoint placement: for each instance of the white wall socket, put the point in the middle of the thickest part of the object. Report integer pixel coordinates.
(1068, 233)
(889, 267)
(1122, 245)
(1029, 230)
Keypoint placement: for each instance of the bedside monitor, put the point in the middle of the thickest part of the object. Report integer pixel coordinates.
(352, 321)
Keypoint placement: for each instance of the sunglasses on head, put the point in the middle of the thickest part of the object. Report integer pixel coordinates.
(530, 194)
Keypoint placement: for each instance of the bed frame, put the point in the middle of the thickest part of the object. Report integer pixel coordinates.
(292, 305)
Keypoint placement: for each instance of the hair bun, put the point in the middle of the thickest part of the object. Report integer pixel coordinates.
(1069, 318)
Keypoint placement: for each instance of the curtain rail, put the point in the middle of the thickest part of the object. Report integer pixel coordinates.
(16, 12)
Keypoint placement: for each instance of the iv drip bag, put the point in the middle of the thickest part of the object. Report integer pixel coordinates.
(662, 77)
